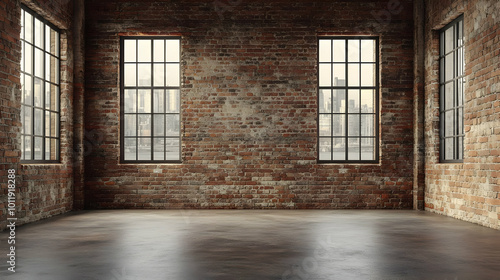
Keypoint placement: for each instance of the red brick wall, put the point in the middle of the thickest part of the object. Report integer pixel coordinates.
(469, 190)
(41, 190)
(249, 72)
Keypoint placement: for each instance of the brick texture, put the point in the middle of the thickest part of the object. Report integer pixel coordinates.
(249, 105)
(41, 190)
(469, 190)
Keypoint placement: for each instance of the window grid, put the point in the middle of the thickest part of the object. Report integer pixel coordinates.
(150, 91)
(40, 87)
(347, 138)
(451, 83)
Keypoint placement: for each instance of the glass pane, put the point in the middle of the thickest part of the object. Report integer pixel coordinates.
(39, 63)
(353, 72)
(367, 125)
(22, 147)
(54, 149)
(47, 123)
(22, 118)
(460, 63)
(353, 101)
(28, 120)
(38, 92)
(130, 101)
(38, 148)
(325, 125)
(449, 96)
(130, 51)
(353, 151)
(22, 57)
(325, 149)
(460, 121)
(28, 90)
(144, 125)
(54, 98)
(353, 50)
(144, 74)
(38, 33)
(144, 51)
(338, 74)
(173, 50)
(54, 70)
(28, 58)
(27, 147)
(325, 101)
(338, 125)
(47, 67)
(159, 149)
(172, 147)
(159, 101)
(367, 149)
(368, 75)
(448, 41)
(144, 101)
(130, 125)
(159, 75)
(144, 148)
(460, 148)
(130, 75)
(339, 149)
(172, 125)
(173, 101)
(54, 125)
(47, 149)
(449, 148)
(325, 75)
(130, 149)
(173, 75)
(339, 50)
(55, 43)
(367, 101)
(460, 92)
(460, 26)
(449, 123)
(368, 51)
(159, 50)
(338, 101)
(353, 129)
(22, 33)
(325, 50)
(159, 125)
(28, 27)
(47, 38)
(449, 67)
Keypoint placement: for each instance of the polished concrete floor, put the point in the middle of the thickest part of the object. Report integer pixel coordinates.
(253, 244)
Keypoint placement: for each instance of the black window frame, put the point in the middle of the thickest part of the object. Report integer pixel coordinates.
(152, 87)
(57, 85)
(458, 82)
(346, 88)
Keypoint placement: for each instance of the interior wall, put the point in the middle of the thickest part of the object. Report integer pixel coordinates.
(42, 190)
(468, 190)
(249, 106)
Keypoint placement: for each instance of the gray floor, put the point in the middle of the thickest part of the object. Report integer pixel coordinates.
(253, 244)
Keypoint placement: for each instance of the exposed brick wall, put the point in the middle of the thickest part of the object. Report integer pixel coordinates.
(469, 190)
(43, 190)
(249, 105)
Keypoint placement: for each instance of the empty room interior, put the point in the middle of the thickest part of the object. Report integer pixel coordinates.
(249, 139)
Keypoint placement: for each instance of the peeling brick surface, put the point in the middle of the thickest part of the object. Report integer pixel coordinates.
(249, 106)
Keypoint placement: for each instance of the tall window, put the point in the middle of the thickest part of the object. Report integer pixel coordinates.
(40, 88)
(150, 96)
(348, 99)
(451, 81)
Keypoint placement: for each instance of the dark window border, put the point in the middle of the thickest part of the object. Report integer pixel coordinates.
(122, 101)
(34, 14)
(458, 131)
(346, 88)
